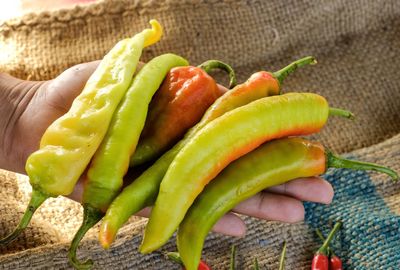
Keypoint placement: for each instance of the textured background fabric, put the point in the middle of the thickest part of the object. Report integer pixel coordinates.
(357, 44)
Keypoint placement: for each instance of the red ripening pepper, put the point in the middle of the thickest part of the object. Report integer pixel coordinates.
(335, 263)
(321, 258)
(179, 104)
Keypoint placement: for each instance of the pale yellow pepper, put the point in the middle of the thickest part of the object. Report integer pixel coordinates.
(69, 143)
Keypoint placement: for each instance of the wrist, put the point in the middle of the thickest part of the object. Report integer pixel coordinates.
(15, 95)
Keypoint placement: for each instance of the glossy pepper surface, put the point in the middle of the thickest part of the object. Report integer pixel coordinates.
(321, 260)
(69, 143)
(273, 163)
(143, 191)
(335, 263)
(110, 162)
(222, 141)
(179, 104)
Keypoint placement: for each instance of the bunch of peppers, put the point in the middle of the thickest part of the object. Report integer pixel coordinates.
(205, 148)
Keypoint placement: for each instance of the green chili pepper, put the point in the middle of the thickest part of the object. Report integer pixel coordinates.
(221, 142)
(69, 143)
(273, 163)
(179, 104)
(110, 162)
(143, 191)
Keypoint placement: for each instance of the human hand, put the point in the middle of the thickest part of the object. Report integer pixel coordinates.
(37, 104)
(29, 107)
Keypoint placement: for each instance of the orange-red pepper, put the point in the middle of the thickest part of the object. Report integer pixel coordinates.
(179, 104)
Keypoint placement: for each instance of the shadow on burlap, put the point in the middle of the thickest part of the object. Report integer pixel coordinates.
(357, 46)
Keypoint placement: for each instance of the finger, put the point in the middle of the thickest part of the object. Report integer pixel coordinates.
(312, 189)
(77, 193)
(230, 224)
(269, 206)
(222, 89)
(145, 212)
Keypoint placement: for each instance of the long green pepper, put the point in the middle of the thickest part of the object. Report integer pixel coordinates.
(143, 191)
(271, 164)
(222, 141)
(111, 160)
(69, 143)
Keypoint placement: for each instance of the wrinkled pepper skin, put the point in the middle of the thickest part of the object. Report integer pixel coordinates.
(271, 164)
(143, 191)
(69, 143)
(179, 104)
(110, 162)
(222, 141)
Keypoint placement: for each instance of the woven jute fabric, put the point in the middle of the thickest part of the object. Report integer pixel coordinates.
(356, 43)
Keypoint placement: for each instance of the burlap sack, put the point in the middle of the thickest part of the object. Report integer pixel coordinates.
(357, 46)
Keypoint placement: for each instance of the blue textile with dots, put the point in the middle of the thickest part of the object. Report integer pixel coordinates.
(370, 236)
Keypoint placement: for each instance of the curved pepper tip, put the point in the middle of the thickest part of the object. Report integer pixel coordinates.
(106, 237)
(154, 34)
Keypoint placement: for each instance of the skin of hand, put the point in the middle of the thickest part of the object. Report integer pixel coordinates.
(29, 107)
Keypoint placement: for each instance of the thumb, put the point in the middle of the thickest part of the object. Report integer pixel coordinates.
(62, 90)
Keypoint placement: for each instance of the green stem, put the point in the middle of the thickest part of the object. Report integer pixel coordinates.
(282, 259)
(334, 161)
(91, 216)
(281, 75)
(175, 257)
(37, 199)
(256, 267)
(324, 247)
(209, 65)
(341, 113)
(322, 237)
(233, 258)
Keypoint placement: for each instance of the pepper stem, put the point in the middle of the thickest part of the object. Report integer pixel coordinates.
(209, 65)
(175, 257)
(341, 113)
(322, 237)
(334, 161)
(37, 198)
(233, 258)
(255, 265)
(282, 259)
(91, 216)
(281, 75)
(324, 247)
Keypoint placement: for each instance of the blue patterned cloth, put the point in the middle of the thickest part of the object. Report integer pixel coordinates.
(370, 236)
